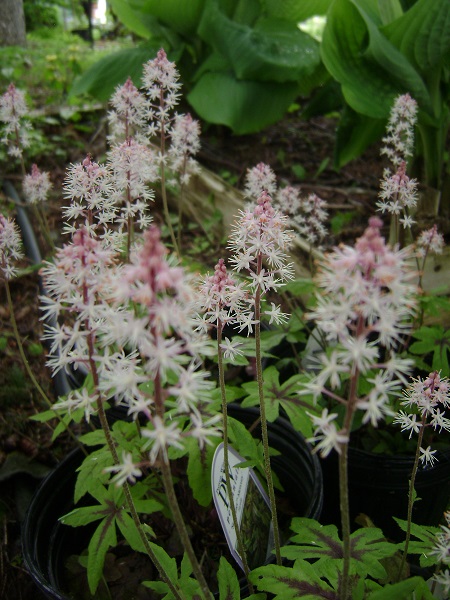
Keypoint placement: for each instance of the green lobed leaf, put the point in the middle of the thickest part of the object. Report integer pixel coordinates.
(84, 515)
(244, 106)
(229, 588)
(91, 478)
(301, 581)
(415, 588)
(104, 537)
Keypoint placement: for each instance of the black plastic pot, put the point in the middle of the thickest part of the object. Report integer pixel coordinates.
(47, 543)
(378, 488)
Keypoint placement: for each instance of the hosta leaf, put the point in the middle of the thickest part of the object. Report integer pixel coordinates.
(354, 134)
(133, 17)
(422, 34)
(104, 537)
(371, 70)
(273, 50)
(296, 10)
(181, 16)
(244, 106)
(101, 79)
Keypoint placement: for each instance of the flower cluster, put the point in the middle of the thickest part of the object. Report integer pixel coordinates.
(307, 215)
(185, 143)
(128, 116)
(13, 109)
(399, 141)
(366, 303)
(10, 247)
(442, 552)
(398, 195)
(429, 398)
(36, 185)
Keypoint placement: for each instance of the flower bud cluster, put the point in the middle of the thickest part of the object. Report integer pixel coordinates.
(399, 141)
(13, 110)
(36, 185)
(428, 398)
(10, 247)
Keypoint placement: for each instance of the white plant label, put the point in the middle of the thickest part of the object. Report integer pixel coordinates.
(252, 508)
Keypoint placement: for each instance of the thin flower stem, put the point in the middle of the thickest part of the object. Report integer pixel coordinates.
(163, 182)
(343, 487)
(265, 436)
(129, 499)
(411, 496)
(28, 368)
(181, 528)
(225, 458)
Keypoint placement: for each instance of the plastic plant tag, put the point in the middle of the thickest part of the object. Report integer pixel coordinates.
(252, 508)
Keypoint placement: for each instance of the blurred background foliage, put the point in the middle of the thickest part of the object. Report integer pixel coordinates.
(246, 63)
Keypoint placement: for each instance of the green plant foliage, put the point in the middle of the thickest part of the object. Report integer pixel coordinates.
(244, 106)
(199, 471)
(104, 76)
(284, 396)
(296, 10)
(376, 52)
(182, 581)
(311, 540)
(181, 16)
(435, 342)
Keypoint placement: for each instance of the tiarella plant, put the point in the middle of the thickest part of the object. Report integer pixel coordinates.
(120, 307)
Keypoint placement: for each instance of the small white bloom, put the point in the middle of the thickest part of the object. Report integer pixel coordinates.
(126, 471)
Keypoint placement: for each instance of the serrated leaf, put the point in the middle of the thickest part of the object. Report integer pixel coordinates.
(91, 478)
(130, 532)
(229, 588)
(84, 515)
(199, 471)
(301, 581)
(415, 587)
(104, 537)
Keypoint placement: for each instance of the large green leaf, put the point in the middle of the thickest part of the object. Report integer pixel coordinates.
(133, 17)
(295, 10)
(371, 70)
(422, 34)
(273, 50)
(104, 76)
(180, 15)
(244, 106)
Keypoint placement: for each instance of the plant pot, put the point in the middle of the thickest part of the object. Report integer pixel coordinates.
(47, 543)
(378, 488)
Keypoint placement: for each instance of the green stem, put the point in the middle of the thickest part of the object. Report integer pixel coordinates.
(264, 432)
(128, 497)
(163, 182)
(225, 458)
(181, 528)
(411, 497)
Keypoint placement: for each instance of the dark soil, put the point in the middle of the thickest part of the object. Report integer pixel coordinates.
(26, 447)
